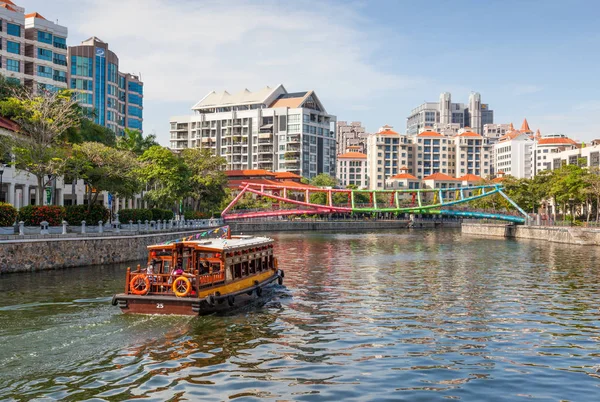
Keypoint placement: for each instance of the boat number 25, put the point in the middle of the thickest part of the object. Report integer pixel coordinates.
(159, 305)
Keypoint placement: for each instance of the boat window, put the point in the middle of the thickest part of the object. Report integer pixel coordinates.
(215, 267)
(237, 271)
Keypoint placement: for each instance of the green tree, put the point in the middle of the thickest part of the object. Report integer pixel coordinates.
(104, 169)
(88, 131)
(166, 176)
(8, 88)
(207, 179)
(323, 180)
(43, 118)
(135, 142)
(592, 181)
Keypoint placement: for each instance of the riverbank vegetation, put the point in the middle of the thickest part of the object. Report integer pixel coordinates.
(571, 192)
(55, 137)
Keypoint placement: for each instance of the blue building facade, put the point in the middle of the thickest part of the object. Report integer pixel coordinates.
(112, 98)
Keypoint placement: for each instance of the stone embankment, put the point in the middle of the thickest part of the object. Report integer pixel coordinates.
(55, 252)
(556, 234)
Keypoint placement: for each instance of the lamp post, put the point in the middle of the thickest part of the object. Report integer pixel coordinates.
(49, 199)
(1, 187)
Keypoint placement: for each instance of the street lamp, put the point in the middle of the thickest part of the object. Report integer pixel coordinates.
(50, 184)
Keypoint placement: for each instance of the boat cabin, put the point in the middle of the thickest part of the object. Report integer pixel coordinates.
(206, 263)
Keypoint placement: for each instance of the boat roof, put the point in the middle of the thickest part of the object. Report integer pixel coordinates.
(220, 244)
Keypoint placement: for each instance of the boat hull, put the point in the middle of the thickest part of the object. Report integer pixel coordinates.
(172, 305)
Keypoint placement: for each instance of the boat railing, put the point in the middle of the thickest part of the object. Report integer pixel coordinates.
(162, 284)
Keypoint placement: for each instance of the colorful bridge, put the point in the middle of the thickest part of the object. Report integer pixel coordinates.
(282, 200)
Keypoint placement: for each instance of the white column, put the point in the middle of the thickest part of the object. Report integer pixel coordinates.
(61, 197)
(26, 195)
(10, 193)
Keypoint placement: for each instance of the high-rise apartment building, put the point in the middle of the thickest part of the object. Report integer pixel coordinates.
(387, 153)
(445, 114)
(114, 99)
(350, 135)
(34, 50)
(268, 129)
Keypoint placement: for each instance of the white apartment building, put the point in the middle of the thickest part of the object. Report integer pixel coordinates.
(472, 155)
(387, 153)
(33, 49)
(350, 134)
(544, 149)
(445, 114)
(434, 154)
(513, 155)
(589, 153)
(268, 129)
(352, 168)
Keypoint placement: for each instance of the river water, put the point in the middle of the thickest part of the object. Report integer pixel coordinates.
(404, 315)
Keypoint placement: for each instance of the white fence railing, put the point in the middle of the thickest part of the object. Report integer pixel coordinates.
(115, 227)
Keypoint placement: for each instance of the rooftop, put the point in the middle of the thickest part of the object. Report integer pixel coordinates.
(402, 176)
(470, 177)
(429, 134)
(352, 155)
(440, 177)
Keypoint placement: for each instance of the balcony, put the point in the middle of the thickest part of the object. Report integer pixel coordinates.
(265, 150)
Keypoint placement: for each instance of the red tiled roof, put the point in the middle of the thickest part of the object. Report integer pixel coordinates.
(287, 175)
(525, 127)
(440, 177)
(470, 177)
(404, 176)
(555, 141)
(35, 15)
(387, 131)
(511, 135)
(498, 179)
(353, 155)
(429, 134)
(469, 134)
(249, 172)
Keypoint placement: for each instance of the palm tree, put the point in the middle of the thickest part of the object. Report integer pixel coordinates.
(135, 142)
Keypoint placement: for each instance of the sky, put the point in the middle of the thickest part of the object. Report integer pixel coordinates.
(367, 60)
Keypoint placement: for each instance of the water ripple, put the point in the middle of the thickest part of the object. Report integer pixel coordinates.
(390, 316)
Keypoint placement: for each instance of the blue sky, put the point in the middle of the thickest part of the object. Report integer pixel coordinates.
(369, 61)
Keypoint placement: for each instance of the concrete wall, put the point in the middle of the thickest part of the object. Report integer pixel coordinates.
(55, 253)
(566, 235)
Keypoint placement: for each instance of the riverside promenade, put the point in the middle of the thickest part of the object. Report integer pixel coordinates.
(556, 234)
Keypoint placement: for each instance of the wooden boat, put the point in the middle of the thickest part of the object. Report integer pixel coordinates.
(199, 275)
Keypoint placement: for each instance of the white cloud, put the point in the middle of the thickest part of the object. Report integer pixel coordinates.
(184, 49)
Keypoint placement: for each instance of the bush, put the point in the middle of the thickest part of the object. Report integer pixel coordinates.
(191, 215)
(161, 214)
(74, 214)
(8, 214)
(126, 215)
(33, 215)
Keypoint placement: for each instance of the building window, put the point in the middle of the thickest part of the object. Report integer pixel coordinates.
(45, 37)
(13, 29)
(13, 65)
(44, 54)
(44, 71)
(135, 99)
(81, 66)
(60, 76)
(60, 43)
(136, 87)
(134, 123)
(60, 59)
(13, 47)
(78, 83)
(134, 111)
(112, 73)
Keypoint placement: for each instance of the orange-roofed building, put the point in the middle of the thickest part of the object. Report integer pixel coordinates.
(439, 181)
(387, 150)
(352, 169)
(403, 181)
(472, 155)
(269, 128)
(544, 150)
